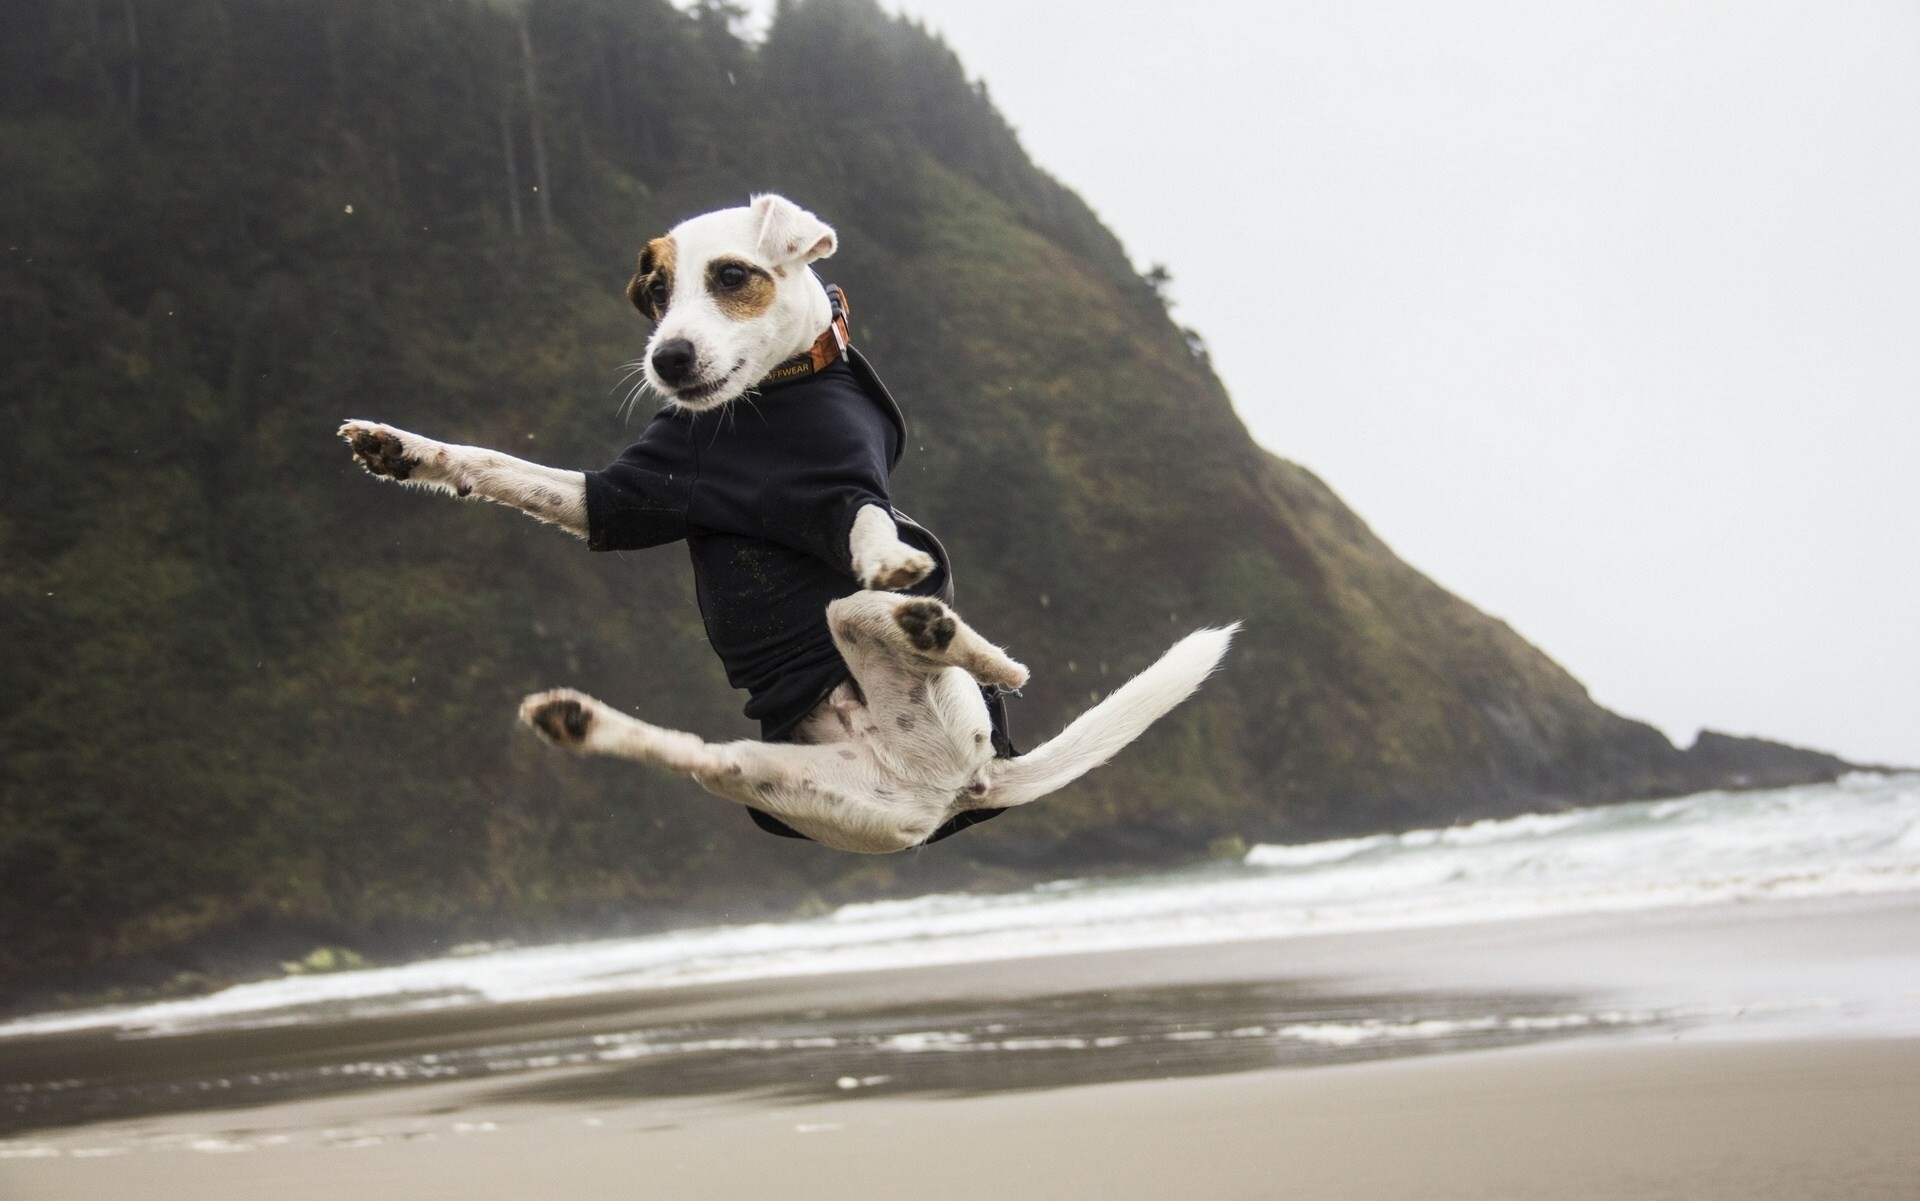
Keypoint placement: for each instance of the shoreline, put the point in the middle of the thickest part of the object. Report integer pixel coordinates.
(1767, 1052)
(221, 971)
(1700, 998)
(1756, 1121)
(1835, 967)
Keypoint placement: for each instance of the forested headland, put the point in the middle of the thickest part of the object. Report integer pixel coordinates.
(251, 702)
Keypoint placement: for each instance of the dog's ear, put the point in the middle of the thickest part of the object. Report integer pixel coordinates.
(652, 283)
(787, 233)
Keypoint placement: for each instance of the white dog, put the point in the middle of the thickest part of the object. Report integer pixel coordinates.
(878, 709)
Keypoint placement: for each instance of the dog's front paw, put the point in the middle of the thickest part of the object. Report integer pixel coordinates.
(563, 717)
(898, 568)
(383, 450)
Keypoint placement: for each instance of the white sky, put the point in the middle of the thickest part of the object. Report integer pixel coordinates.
(1604, 314)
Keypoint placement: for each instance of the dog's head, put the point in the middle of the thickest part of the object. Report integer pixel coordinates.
(731, 296)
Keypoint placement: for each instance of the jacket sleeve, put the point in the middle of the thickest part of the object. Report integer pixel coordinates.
(641, 499)
(838, 466)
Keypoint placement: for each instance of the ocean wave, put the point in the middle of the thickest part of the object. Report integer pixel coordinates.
(1859, 836)
(1310, 854)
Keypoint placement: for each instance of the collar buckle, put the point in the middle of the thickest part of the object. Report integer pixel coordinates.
(842, 309)
(830, 346)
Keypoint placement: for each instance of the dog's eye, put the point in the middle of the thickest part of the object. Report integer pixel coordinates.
(657, 292)
(732, 276)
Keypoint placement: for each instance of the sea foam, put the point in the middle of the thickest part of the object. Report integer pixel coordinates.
(1858, 836)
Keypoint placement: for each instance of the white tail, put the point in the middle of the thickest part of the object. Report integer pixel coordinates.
(1099, 734)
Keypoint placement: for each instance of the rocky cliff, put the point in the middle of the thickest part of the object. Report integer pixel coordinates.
(251, 700)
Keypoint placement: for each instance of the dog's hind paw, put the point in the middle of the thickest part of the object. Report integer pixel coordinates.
(563, 717)
(927, 624)
(997, 671)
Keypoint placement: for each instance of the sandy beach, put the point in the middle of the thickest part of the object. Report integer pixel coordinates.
(1737, 1051)
(1789, 1120)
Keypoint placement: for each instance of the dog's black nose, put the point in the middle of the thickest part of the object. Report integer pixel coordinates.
(673, 360)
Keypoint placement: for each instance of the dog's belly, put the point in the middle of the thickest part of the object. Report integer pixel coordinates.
(940, 732)
(908, 761)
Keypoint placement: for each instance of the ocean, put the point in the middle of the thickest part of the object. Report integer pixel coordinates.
(1857, 837)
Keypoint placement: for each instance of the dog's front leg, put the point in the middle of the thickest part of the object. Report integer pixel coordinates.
(880, 560)
(549, 493)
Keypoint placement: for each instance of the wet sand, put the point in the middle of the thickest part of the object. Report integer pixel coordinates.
(1647, 1120)
(1736, 1051)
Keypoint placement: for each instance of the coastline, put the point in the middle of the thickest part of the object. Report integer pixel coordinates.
(1758, 1039)
(1712, 851)
(1752, 1121)
(1829, 968)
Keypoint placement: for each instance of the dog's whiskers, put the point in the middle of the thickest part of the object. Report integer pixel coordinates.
(751, 399)
(625, 411)
(628, 371)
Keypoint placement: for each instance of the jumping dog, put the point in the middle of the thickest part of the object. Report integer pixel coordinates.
(880, 716)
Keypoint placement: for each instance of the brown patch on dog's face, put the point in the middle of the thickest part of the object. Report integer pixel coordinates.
(651, 288)
(741, 290)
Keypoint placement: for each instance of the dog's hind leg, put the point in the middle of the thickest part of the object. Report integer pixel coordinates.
(740, 771)
(831, 792)
(919, 670)
(578, 722)
(921, 633)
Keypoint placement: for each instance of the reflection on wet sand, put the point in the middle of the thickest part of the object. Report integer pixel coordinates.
(1776, 1069)
(646, 1049)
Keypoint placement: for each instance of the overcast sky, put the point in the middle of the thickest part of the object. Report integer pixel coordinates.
(1606, 315)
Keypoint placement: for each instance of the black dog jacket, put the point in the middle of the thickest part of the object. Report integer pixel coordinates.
(764, 490)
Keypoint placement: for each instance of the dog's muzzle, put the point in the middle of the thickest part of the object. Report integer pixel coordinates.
(673, 361)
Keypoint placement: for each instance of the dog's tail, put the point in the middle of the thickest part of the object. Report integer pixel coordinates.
(1099, 734)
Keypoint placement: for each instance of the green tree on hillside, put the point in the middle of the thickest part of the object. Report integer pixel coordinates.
(248, 701)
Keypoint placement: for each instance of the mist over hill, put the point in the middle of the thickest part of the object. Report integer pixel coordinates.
(250, 701)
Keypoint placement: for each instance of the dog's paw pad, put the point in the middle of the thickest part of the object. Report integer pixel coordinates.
(927, 625)
(561, 719)
(380, 450)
